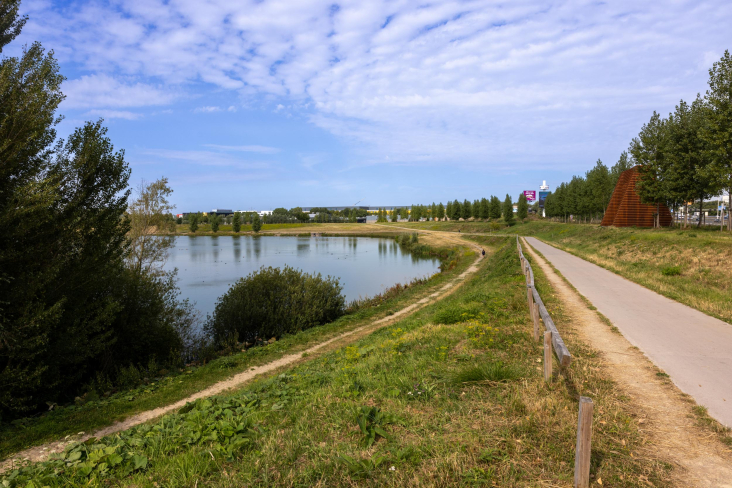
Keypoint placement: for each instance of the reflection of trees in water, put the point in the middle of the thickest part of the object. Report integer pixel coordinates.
(215, 244)
(257, 246)
(237, 248)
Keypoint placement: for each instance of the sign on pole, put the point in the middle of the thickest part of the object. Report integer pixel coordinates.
(530, 195)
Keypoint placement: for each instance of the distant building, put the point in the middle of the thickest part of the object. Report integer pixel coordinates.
(222, 211)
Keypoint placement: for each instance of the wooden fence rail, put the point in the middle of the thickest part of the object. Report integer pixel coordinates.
(563, 355)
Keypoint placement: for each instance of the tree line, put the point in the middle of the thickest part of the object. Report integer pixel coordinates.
(483, 209)
(82, 289)
(683, 158)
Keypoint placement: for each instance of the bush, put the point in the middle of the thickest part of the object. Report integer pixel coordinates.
(272, 302)
(671, 271)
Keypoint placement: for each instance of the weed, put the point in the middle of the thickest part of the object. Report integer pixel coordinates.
(370, 420)
(360, 468)
(491, 373)
(671, 271)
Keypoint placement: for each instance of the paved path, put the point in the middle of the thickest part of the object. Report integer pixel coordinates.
(693, 348)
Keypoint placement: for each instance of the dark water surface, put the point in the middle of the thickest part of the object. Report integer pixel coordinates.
(208, 266)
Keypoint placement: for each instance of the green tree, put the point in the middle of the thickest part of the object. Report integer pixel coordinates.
(256, 223)
(215, 220)
(717, 131)
(394, 214)
(624, 163)
(440, 211)
(508, 210)
(523, 208)
(193, 220)
(147, 216)
(467, 209)
(484, 211)
(433, 211)
(600, 188)
(457, 210)
(236, 222)
(648, 151)
(10, 23)
(495, 208)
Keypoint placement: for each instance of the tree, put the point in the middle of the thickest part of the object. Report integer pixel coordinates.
(457, 210)
(256, 223)
(523, 207)
(624, 163)
(394, 214)
(508, 209)
(648, 151)
(484, 211)
(599, 188)
(236, 222)
(689, 169)
(147, 215)
(495, 208)
(215, 221)
(440, 211)
(193, 220)
(433, 211)
(467, 209)
(10, 23)
(449, 210)
(717, 131)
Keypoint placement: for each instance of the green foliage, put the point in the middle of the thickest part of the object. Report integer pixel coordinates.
(671, 271)
(193, 220)
(221, 426)
(272, 302)
(371, 421)
(215, 221)
(523, 208)
(236, 222)
(492, 372)
(256, 223)
(507, 210)
(495, 208)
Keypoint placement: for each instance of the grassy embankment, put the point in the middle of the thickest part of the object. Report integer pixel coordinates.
(450, 396)
(692, 266)
(160, 391)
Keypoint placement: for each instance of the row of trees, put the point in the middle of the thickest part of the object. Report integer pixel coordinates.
(685, 157)
(484, 209)
(586, 197)
(82, 290)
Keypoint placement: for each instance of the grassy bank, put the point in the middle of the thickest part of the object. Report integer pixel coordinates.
(160, 391)
(692, 266)
(450, 396)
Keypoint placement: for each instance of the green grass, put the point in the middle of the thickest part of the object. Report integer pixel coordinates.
(691, 266)
(93, 415)
(388, 411)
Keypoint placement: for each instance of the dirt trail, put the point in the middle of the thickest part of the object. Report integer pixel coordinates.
(41, 452)
(701, 459)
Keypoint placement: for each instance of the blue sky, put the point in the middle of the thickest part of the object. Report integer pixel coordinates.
(253, 105)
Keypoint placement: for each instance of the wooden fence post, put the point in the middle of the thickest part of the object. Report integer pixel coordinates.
(548, 355)
(584, 444)
(536, 321)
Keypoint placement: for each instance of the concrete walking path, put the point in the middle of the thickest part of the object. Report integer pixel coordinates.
(694, 349)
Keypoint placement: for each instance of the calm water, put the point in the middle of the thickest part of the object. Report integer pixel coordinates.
(208, 266)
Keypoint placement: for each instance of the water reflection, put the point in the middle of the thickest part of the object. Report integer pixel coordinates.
(207, 266)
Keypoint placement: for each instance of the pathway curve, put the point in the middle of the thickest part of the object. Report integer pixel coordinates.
(693, 348)
(667, 430)
(41, 452)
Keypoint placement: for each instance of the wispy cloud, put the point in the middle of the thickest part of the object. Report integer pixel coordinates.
(207, 109)
(468, 82)
(113, 114)
(254, 149)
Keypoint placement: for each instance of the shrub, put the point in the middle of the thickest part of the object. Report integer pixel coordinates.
(671, 271)
(272, 302)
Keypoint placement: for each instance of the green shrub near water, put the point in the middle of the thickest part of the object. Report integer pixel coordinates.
(272, 302)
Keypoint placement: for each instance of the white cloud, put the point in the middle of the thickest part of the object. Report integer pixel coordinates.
(113, 114)
(255, 149)
(207, 109)
(101, 90)
(474, 82)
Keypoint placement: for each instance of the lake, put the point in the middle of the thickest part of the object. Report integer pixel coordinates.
(208, 266)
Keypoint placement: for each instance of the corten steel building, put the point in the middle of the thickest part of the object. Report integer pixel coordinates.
(625, 208)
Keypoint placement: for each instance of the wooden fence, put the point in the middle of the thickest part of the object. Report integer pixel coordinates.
(552, 339)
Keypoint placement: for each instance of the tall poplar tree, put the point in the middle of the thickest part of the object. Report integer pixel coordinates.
(495, 208)
(718, 128)
(508, 210)
(523, 207)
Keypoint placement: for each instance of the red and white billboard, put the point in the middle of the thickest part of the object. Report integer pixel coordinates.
(530, 195)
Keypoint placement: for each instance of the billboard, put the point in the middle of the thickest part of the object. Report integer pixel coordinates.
(530, 195)
(542, 198)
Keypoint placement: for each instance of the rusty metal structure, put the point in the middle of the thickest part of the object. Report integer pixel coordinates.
(625, 208)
